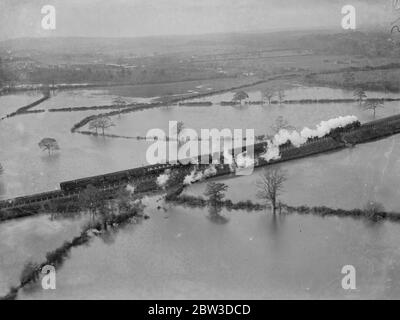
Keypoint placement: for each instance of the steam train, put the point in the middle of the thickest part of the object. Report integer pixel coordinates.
(146, 172)
(105, 180)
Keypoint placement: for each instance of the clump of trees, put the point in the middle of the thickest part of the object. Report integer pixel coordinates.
(174, 185)
(270, 186)
(48, 144)
(93, 201)
(240, 96)
(102, 208)
(268, 95)
(101, 123)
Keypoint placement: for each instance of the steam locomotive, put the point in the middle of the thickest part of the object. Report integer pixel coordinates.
(142, 173)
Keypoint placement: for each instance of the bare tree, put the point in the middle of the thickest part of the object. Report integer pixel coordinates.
(120, 103)
(281, 123)
(268, 95)
(49, 145)
(373, 105)
(270, 186)
(281, 96)
(179, 127)
(102, 123)
(360, 95)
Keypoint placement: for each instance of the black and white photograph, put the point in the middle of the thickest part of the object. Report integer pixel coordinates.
(207, 150)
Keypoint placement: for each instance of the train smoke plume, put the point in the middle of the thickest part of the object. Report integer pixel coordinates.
(130, 188)
(162, 179)
(299, 138)
(196, 175)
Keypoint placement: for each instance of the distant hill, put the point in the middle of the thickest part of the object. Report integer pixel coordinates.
(151, 45)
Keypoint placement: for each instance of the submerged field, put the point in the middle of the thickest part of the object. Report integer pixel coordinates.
(185, 253)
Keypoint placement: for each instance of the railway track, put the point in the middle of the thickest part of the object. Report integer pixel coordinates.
(112, 181)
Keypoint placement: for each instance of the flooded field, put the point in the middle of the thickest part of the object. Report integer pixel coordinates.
(187, 253)
(347, 179)
(259, 118)
(295, 92)
(177, 89)
(85, 98)
(27, 169)
(28, 240)
(10, 103)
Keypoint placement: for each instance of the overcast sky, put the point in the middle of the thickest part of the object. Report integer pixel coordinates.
(132, 18)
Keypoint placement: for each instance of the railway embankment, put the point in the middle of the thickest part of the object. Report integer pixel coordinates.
(144, 178)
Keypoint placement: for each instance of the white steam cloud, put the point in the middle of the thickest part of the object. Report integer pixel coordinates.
(210, 171)
(193, 177)
(299, 138)
(199, 175)
(162, 179)
(130, 188)
(244, 161)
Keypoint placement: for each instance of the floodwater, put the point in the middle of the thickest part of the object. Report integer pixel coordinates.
(296, 92)
(347, 179)
(12, 102)
(85, 98)
(29, 170)
(259, 118)
(188, 253)
(28, 240)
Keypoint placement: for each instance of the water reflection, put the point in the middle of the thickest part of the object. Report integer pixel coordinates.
(52, 158)
(108, 236)
(256, 255)
(215, 216)
(29, 239)
(275, 223)
(2, 188)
